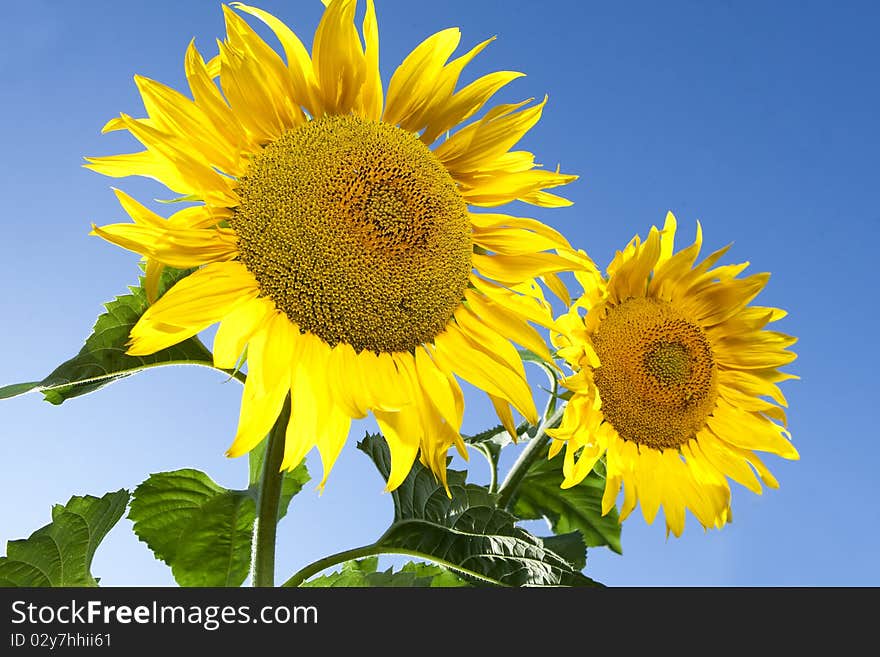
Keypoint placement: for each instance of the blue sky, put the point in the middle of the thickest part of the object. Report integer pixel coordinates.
(758, 119)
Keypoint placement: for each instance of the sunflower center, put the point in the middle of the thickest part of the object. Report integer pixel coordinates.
(357, 232)
(658, 379)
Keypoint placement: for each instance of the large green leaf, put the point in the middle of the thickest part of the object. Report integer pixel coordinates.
(578, 508)
(200, 529)
(466, 532)
(61, 553)
(103, 360)
(365, 573)
(215, 547)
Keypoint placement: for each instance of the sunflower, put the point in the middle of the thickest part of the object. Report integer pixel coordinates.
(332, 230)
(674, 381)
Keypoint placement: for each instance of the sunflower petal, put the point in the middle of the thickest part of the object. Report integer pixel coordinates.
(197, 301)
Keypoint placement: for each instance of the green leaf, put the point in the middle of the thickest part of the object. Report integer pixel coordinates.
(200, 529)
(291, 484)
(439, 577)
(578, 508)
(61, 553)
(491, 441)
(466, 532)
(364, 573)
(215, 548)
(570, 546)
(103, 360)
(421, 495)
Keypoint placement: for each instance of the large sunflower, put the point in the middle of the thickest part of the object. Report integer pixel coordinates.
(334, 238)
(674, 381)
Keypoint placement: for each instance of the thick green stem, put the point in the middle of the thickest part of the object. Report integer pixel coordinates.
(528, 456)
(268, 499)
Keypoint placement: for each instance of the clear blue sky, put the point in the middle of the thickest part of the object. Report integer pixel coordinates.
(759, 119)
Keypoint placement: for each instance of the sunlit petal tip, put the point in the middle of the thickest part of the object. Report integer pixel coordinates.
(570, 482)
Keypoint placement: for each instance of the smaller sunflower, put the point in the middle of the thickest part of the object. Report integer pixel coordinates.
(674, 381)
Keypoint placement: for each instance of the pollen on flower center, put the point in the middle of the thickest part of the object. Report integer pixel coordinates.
(357, 232)
(657, 380)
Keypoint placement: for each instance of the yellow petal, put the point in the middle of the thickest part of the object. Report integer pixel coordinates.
(509, 323)
(211, 102)
(490, 341)
(198, 176)
(268, 382)
(465, 103)
(648, 473)
(516, 269)
(493, 223)
(181, 248)
(478, 144)
(401, 430)
(514, 241)
(630, 279)
(411, 87)
(749, 430)
(726, 461)
(723, 300)
(331, 436)
(491, 188)
(176, 114)
(241, 77)
(457, 353)
(152, 278)
(346, 379)
(534, 309)
(387, 387)
(236, 330)
(315, 419)
(338, 58)
(372, 94)
(505, 416)
(305, 85)
(436, 387)
(139, 213)
(194, 303)
(558, 288)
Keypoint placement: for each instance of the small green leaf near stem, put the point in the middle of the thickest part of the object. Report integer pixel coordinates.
(528, 456)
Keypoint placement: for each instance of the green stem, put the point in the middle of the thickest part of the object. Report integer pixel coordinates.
(317, 566)
(493, 474)
(268, 499)
(373, 549)
(493, 467)
(528, 456)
